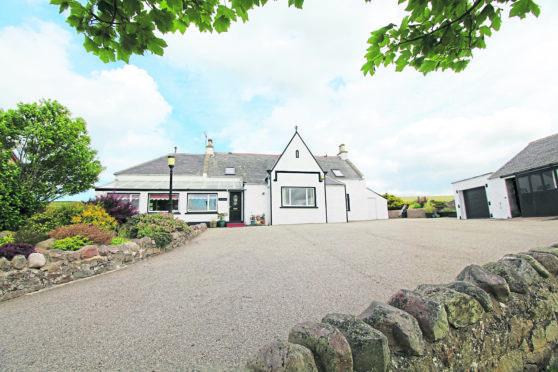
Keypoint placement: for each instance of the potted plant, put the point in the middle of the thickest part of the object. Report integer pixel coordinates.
(252, 220)
(213, 224)
(221, 221)
(262, 219)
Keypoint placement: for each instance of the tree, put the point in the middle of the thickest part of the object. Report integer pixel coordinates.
(436, 34)
(393, 202)
(53, 158)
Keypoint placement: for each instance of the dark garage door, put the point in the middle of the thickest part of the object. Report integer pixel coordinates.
(476, 204)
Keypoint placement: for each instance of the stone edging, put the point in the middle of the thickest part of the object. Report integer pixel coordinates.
(47, 268)
(501, 316)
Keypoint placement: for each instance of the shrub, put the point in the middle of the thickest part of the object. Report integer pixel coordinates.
(6, 237)
(155, 226)
(438, 204)
(94, 215)
(393, 201)
(30, 236)
(415, 206)
(120, 210)
(117, 241)
(9, 250)
(91, 232)
(52, 217)
(72, 243)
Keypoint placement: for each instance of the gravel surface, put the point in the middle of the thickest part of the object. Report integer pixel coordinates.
(215, 301)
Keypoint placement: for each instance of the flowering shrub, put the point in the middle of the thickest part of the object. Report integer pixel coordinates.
(72, 243)
(94, 215)
(120, 210)
(91, 232)
(9, 250)
(156, 226)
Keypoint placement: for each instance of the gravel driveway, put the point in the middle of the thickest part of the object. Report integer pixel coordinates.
(215, 301)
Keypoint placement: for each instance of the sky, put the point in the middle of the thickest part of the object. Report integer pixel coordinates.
(248, 88)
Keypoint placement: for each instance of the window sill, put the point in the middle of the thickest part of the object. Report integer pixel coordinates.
(208, 212)
(298, 207)
(156, 212)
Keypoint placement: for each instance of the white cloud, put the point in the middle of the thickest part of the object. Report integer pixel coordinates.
(122, 106)
(408, 133)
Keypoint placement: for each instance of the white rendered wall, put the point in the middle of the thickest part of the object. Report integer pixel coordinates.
(256, 202)
(336, 204)
(288, 215)
(365, 204)
(496, 194)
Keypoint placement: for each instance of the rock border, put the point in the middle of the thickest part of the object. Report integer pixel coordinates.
(501, 316)
(48, 268)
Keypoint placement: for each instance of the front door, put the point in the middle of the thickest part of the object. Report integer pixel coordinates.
(512, 197)
(235, 206)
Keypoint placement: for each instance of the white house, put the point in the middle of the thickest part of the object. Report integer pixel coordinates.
(292, 188)
(525, 186)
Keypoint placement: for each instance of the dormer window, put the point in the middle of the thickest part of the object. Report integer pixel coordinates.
(337, 173)
(230, 171)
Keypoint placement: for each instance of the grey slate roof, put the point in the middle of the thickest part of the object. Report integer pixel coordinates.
(253, 167)
(537, 154)
(185, 164)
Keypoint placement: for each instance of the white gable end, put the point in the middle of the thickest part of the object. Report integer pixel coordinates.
(297, 158)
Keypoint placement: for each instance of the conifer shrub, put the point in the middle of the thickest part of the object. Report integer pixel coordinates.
(91, 232)
(30, 236)
(9, 250)
(72, 243)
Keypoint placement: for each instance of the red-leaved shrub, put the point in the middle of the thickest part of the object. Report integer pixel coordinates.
(119, 209)
(91, 232)
(9, 250)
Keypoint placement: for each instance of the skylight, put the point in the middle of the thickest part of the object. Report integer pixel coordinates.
(230, 170)
(337, 173)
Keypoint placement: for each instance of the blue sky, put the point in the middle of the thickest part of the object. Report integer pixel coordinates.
(248, 88)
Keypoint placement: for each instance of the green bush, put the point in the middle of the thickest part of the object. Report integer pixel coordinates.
(156, 226)
(117, 241)
(6, 237)
(52, 217)
(30, 236)
(71, 244)
(438, 204)
(415, 206)
(393, 202)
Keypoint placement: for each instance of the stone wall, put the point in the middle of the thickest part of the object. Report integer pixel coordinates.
(501, 316)
(47, 268)
(411, 213)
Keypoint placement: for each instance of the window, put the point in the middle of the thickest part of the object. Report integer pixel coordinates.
(536, 182)
(298, 196)
(230, 170)
(337, 173)
(523, 185)
(348, 202)
(132, 198)
(160, 202)
(200, 203)
(297, 154)
(548, 180)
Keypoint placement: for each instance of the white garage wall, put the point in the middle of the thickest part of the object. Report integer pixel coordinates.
(496, 194)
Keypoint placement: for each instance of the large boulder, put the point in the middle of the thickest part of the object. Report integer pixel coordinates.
(282, 356)
(369, 346)
(19, 262)
(331, 350)
(5, 265)
(431, 315)
(36, 260)
(88, 251)
(401, 329)
(461, 309)
(45, 245)
(488, 281)
(476, 292)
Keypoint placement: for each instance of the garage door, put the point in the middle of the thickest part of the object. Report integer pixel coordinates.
(476, 203)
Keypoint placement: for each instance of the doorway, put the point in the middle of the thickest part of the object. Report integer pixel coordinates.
(235, 206)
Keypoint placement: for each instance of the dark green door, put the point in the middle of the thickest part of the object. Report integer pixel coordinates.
(235, 206)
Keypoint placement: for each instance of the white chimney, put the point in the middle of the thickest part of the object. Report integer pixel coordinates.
(209, 147)
(342, 152)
